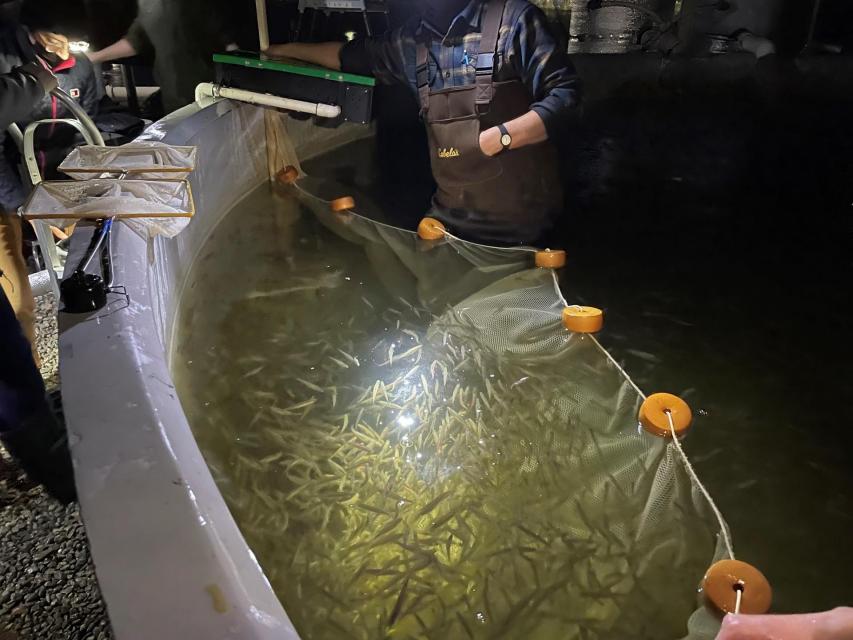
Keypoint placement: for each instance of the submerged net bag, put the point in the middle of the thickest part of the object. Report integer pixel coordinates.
(415, 447)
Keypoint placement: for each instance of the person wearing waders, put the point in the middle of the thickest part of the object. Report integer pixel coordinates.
(496, 89)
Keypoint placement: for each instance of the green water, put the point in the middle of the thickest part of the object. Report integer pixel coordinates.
(745, 318)
(398, 473)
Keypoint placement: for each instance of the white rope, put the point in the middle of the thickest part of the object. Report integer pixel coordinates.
(624, 373)
(445, 231)
(557, 288)
(594, 340)
(690, 470)
(489, 246)
(739, 597)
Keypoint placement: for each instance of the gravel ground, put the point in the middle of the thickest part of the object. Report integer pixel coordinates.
(48, 589)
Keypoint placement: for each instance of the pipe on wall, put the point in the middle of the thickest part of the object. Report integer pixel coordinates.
(207, 93)
(612, 28)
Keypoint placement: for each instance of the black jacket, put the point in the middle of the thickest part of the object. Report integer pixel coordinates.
(15, 51)
(27, 102)
(19, 93)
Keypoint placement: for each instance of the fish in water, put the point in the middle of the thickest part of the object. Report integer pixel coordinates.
(442, 488)
(325, 281)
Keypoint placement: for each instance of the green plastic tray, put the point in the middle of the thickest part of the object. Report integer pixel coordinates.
(254, 61)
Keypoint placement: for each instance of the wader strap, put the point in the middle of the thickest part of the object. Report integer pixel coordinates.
(488, 50)
(490, 34)
(422, 75)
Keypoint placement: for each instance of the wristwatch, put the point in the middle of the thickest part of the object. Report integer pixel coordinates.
(506, 139)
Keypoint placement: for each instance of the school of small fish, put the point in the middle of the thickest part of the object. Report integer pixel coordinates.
(397, 477)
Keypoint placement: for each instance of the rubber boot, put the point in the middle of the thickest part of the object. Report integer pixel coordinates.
(40, 447)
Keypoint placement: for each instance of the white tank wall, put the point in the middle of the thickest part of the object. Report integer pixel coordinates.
(169, 557)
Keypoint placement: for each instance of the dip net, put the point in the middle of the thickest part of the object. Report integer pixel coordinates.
(415, 447)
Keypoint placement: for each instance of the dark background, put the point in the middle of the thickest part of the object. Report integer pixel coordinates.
(709, 213)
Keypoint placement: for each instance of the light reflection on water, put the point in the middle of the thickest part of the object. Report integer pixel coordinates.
(710, 323)
(394, 478)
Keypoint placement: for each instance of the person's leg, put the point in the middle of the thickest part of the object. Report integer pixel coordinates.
(15, 278)
(29, 430)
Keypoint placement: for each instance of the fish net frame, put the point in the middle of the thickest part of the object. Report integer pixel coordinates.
(141, 160)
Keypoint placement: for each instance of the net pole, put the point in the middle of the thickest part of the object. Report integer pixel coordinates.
(272, 123)
(263, 25)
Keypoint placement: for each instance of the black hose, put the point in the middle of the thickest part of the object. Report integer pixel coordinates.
(107, 258)
(104, 227)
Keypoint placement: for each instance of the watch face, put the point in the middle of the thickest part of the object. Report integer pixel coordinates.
(506, 139)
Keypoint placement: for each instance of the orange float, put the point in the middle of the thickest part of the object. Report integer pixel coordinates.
(725, 578)
(342, 204)
(549, 259)
(431, 229)
(288, 175)
(658, 408)
(583, 319)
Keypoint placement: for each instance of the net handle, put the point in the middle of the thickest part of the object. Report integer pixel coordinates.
(263, 26)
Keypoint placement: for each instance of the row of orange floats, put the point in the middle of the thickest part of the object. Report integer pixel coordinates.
(576, 318)
(731, 586)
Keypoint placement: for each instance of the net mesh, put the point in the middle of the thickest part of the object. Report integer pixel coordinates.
(149, 207)
(151, 160)
(413, 445)
(103, 198)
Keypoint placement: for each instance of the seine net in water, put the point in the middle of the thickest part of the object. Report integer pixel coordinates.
(413, 446)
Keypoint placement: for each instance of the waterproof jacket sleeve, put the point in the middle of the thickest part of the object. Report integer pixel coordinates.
(20, 90)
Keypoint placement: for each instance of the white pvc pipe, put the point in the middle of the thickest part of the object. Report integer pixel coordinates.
(207, 92)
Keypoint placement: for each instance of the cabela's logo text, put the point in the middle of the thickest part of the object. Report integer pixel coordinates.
(448, 153)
